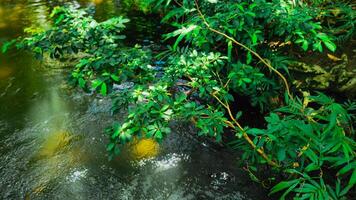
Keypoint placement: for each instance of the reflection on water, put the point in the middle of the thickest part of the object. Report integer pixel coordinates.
(10, 15)
(5, 72)
(144, 148)
(97, 2)
(52, 144)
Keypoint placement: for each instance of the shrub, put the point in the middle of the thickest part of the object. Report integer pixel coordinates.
(222, 51)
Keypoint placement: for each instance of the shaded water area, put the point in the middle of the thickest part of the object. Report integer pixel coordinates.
(52, 144)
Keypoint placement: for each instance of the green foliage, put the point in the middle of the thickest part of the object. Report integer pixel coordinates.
(340, 20)
(5, 47)
(255, 25)
(75, 31)
(309, 140)
(160, 103)
(102, 58)
(255, 22)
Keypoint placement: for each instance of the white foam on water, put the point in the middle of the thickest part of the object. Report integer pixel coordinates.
(219, 179)
(77, 175)
(170, 161)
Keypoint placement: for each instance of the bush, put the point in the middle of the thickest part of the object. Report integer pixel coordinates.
(223, 50)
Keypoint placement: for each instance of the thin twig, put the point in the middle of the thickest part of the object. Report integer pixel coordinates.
(244, 134)
(245, 47)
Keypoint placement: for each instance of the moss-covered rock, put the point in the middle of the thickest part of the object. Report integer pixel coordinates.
(338, 76)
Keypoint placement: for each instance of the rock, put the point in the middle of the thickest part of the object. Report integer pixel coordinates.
(123, 86)
(335, 77)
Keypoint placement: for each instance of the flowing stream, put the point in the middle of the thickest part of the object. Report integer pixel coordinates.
(52, 141)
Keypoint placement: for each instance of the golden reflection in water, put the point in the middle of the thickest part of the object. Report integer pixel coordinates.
(2, 24)
(97, 2)
(5, 72)
(57, 157)
(15, 16)
(144, 148)
(9, 16)
(54, 143)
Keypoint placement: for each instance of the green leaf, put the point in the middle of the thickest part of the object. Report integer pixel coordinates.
(229, 50)
(246, 80)
(311, 155)
(347, 168)
(307, 188)
(330, 45)
(352, 180)
(289, 190)
(323, 37)
(281, 154)
(248, 58)
(305, 45)
(158, 135)
(125, 136)
(299, 41)
(180, 38)
(312, 167)
(254, 38)
(110, 146)
(345, 190)
(318, 46)
(172, 13)
(103, 89)
(59, 19)
(81, 82)
(256, 131)
(238, 115)
(114, 77)
(283, 185)
(96, 83)
(182, 33)
(180, 98)
(7, 45)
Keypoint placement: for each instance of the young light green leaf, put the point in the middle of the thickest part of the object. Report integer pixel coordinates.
(330, 45)
(81, 82)
(305, 45)
(103, 89)
(229, 50)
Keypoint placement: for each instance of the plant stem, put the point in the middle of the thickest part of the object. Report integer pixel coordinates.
(244, 134)
(245, 47)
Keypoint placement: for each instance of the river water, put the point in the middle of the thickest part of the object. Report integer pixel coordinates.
(52, 144)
